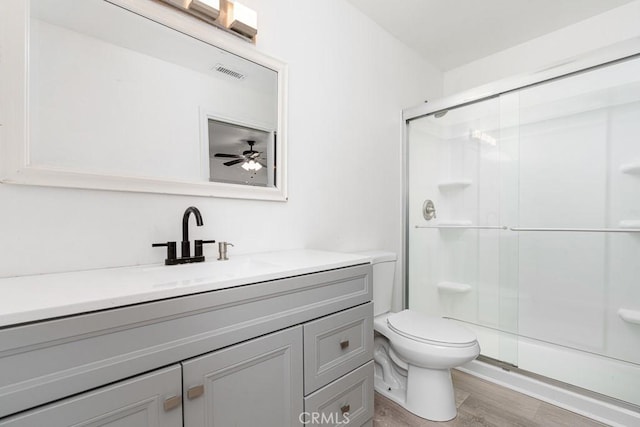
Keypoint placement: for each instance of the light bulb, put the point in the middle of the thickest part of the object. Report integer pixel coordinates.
(243, 19)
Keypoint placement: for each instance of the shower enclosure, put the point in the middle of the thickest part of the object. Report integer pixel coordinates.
(523, 223)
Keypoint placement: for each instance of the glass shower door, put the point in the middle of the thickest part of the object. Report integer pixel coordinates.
(579, 217)
(523, 221)
(460, 261)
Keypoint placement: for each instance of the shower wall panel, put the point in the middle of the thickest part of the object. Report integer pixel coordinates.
(623, 275)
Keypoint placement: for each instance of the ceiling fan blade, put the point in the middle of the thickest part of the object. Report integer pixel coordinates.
(233, 162)
(229, 156)
(262, 164)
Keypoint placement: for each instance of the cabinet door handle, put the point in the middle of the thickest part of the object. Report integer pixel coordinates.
(172, 403)
(344, 344)
(345, 408)
(195, 391)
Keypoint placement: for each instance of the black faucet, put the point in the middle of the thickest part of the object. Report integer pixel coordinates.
(186, 244)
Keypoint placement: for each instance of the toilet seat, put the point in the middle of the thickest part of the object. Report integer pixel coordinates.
(430, 330)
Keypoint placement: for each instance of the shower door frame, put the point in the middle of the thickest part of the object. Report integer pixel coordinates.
(619, 52)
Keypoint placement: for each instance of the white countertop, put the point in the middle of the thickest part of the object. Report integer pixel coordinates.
(31, 298)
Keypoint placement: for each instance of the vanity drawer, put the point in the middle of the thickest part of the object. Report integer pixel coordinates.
(336, 345)
(351, 396)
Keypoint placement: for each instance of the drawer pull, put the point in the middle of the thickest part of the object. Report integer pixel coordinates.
(172, 403)
(344, 409)
(195, 391)
(344, 344)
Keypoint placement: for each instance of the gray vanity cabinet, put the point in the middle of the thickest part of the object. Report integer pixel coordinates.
(255, 383)
(151, 400)
(233, 357)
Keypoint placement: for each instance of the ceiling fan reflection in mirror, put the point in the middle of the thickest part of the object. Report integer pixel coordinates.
(240, 154)
(250, 158)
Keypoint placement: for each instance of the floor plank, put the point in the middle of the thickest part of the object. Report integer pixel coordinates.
(481, 403)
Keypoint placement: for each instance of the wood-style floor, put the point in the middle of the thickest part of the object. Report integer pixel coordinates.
(481, 403)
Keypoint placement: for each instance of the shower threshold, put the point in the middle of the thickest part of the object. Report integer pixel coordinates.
(585, 402)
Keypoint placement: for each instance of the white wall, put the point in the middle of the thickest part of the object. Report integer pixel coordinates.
(349, 81)
(597, 32)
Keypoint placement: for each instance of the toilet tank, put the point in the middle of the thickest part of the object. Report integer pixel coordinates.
(384, 268)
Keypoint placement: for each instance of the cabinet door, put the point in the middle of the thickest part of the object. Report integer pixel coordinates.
(255, 383)
(147, 400)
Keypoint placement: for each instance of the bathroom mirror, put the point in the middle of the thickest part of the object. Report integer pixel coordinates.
(136, 95)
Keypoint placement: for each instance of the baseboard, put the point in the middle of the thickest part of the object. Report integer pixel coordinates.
(589, 406)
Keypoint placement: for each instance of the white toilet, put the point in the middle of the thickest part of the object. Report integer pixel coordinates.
(414, 352)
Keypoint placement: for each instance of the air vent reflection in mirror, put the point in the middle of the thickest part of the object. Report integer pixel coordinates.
(229, 72)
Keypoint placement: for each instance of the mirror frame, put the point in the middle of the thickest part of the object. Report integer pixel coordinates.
(15, 164)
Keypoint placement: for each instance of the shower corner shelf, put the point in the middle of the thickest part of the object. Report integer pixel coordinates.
(453, 288)
(629, 223)
(454, 184)
(631, 168)
(629, 316)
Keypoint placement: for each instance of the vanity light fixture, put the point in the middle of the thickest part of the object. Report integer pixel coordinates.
(181, 4)
(211, 8)
(226, 15)
(241, 19)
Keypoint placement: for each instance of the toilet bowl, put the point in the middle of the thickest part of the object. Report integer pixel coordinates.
(413, 352)
(428, 358)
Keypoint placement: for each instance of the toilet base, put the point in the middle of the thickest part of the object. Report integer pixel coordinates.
(430, 394)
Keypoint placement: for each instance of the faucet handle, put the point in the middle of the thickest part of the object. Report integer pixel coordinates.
(172, 257)
(198, 246)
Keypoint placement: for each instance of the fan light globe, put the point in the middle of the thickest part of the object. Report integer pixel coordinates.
(251, 165)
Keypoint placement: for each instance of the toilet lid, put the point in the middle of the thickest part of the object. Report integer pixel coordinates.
(425, 328)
